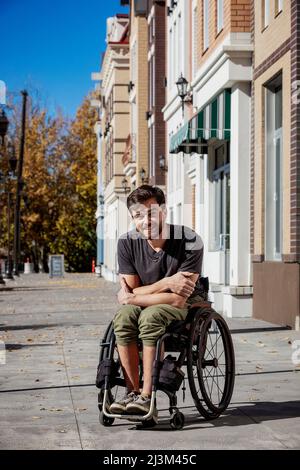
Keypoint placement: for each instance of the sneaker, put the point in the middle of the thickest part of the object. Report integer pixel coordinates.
(118, 407)
(140, 405)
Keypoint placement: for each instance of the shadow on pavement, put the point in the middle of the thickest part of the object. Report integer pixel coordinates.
(14, 347)
(254, 413)
(32, 327)
(259, 330)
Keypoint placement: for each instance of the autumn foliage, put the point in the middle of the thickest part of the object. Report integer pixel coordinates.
(59, 202)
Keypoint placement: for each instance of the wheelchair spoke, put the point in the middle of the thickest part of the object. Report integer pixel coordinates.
(218, 388)
(220, 354)
(211, 383)
(216, 344)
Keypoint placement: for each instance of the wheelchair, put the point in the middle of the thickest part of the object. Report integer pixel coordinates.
(203, 345)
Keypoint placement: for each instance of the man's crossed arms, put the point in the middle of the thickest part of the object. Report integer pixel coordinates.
(173, 290)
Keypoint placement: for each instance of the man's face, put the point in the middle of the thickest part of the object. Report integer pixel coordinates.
(149, 218)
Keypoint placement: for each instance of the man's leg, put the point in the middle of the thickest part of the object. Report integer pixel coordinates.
(148, 359)
(153, 322)
(129, 357)
(126, 331)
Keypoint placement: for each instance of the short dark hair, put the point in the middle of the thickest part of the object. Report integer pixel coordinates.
(143, 193)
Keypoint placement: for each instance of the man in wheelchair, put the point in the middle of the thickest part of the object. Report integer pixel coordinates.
(159, 269)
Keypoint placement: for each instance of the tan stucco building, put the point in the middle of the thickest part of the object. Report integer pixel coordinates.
(115, 125)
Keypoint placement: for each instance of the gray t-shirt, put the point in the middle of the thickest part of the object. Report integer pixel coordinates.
(182, 251)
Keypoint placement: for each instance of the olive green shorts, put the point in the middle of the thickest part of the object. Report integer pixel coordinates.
(146, 323)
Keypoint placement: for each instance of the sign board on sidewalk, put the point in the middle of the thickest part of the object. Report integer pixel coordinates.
(56, 265)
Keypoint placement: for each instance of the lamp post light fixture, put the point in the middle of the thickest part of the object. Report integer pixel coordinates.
(184, 95)
(130, 86)
(162, 163)
(143, 175)
(125, 185)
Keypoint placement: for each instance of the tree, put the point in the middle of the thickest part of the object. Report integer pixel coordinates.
(60, 173)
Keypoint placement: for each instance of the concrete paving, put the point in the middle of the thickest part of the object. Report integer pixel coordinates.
(51, 329)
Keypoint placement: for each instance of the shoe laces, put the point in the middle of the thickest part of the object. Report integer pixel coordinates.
(131, 394)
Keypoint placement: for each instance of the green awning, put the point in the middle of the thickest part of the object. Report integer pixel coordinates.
(179, 137)
(211, 123)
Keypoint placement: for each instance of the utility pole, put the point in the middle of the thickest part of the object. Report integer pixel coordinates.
(19, 188)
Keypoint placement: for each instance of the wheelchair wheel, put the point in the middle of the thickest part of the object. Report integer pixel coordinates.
(104, 420)
(210, 363)
(177, 420)
(108, 337)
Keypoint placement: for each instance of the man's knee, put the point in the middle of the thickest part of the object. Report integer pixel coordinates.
(125, 324)
(154, 320)
(152, 324)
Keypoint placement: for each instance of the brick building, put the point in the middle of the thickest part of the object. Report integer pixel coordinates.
(209, 43)
(135, 158)
(275, 167)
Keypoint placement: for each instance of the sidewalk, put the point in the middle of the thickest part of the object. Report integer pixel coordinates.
(52, 328)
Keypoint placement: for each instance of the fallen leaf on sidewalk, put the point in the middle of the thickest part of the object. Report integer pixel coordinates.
(273, 351)
(261, 344)
(80, 409)
(35, 417)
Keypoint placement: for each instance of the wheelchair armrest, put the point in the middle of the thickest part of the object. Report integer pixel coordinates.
(204, 282)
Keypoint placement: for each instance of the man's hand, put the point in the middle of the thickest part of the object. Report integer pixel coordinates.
(182, 284)
(125, 298)
(124, 293)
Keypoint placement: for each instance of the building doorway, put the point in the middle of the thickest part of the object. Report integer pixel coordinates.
(221, 192)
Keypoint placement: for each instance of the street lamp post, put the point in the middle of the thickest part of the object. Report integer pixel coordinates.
(184, 95)
(19, 187)
(4, 123)
(7, 181)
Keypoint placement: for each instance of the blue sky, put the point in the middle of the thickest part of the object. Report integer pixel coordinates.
(54, 45)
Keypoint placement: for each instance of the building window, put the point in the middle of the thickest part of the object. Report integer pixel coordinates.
(265, 13)
(220, 198)
(220, 15)
(153, 82)
(195, 41)
(205, 25)
(179, 48)
(175, 51)
(171, 173)
(179, 172)
(273, 170)
(152, 150)
(278, 7)
(133, 65)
